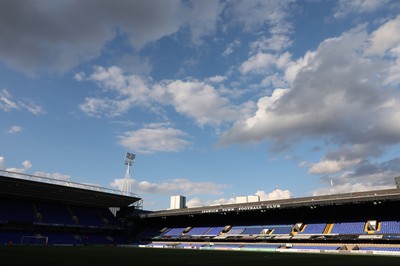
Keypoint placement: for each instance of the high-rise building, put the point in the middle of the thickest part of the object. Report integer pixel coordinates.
(178, 202)
(397, 181)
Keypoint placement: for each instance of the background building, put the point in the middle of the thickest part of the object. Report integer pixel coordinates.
(246, 199)
(178, 202)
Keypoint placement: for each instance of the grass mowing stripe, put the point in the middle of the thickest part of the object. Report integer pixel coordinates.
(113, 256)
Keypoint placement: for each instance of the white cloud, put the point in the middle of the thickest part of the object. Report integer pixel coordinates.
(124, 185)
(257, 62)
(345, 7)
(32, 107)
(96, 106)
(266, 105)
(80, 76)
(154, 139)
(363, 176)
(256, 16)
(26, 165)
(113, 79)
(14, 129)
(347, 97)
(57, 176)
(220, 201)
(231, 47)
(253, 15)
(217, 79)
(349, 187)
(200, 101)
(393, 72)
(195, 202)
(195, 99)
(202, 18)
(7, 104)
(355, 109)
(332, 166)
(274, 195)
(199, 202)
(264, 196)
(184, 186)
(295, 66)
(385, 38)
(175, 186)
(262, 62)
(278, 42)
(121, 91)
(274, 80)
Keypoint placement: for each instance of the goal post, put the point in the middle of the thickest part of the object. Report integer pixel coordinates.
(34, 240)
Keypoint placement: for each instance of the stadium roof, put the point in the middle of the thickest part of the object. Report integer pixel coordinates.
(376, 197)
(42, 188)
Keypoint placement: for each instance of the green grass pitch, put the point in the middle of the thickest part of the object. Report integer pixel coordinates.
(119, 256)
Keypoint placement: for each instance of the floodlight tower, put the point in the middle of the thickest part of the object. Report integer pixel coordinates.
(126, 188)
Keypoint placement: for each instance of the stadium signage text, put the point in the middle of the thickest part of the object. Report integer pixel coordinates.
(244, 208)
(247, 208)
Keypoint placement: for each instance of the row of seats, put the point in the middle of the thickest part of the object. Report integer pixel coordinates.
(317, 228)
(339, 228)
(390, 227)
(39, 223)
(358, 228)
(13, 210)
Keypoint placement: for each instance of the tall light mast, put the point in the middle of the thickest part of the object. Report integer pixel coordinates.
(126, 188)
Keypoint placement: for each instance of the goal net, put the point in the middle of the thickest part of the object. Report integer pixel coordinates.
(34, 240)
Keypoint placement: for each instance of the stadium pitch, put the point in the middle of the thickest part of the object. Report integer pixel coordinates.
(99, 255)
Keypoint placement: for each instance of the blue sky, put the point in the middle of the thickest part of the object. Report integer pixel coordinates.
(217, 99)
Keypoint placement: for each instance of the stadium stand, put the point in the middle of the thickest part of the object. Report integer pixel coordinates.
(313, 223)
(55, 214)
(15, 210)
(236, 230)
(214, 231)
(198, 231)
(389, 227)
(253, 230)
(348, 228)
(311, 228)
(174, 232)
(41, 211)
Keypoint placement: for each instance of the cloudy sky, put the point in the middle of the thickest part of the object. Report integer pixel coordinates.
(217, 99)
